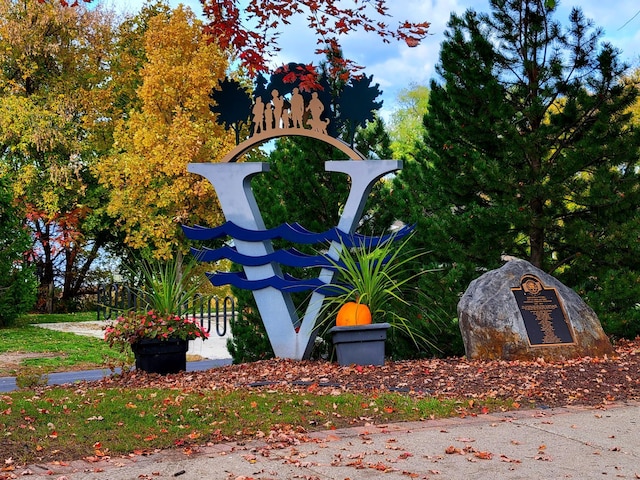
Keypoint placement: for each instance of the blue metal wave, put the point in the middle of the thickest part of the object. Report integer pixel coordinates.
(288, 283)
(290, 257)
(293, 232)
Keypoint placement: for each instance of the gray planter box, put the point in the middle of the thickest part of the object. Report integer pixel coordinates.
(360, 344)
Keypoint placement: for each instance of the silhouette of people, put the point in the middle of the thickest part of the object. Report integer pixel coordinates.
(297, 109)
(286, 117)
(268, 116)
(258, 116)
(280, 113)
(278, 106)
(316, 109)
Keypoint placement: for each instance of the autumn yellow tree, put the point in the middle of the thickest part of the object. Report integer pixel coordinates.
(55, 121)
(152, 193)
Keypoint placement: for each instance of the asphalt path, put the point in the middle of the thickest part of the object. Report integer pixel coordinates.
(8, 384)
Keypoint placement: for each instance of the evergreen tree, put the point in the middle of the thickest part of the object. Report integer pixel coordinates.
(529, 151)
(17, 279)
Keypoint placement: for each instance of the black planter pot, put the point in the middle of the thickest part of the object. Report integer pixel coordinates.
(360, 344)
(161, 356)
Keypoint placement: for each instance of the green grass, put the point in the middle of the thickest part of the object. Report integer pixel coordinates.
(69, 423)
(56, 318)
(61, 351)
(60, 423)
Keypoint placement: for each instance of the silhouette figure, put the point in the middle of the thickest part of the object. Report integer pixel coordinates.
(278, 106)
(258, 116)
(268, 116)
(297, 109)
(286, 116)
(316, 109)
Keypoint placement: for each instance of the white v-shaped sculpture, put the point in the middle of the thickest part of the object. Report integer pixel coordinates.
(232, 182)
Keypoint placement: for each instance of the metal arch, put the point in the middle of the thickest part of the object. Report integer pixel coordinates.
(262, 137)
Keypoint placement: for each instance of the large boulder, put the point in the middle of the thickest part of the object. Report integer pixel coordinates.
(519, 312)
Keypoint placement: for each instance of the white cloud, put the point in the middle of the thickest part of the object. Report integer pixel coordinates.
(396, 66)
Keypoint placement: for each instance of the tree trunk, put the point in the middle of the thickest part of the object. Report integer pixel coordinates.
(536, 235)
(46, 274)
(48, 290)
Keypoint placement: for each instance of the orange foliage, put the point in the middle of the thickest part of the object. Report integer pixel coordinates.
(329, 19)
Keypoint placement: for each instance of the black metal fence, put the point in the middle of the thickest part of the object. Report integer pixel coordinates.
(115, 298)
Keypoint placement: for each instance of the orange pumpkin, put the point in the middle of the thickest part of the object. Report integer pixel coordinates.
(353, 313)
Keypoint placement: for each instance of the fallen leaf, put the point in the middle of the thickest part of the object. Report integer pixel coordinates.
(411, 474)
(483, 455)
(381, 467)
(504, 458)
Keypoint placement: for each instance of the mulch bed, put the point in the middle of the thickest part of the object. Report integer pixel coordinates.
(585, 381)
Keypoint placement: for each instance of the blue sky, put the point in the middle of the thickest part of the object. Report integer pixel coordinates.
(396, 66)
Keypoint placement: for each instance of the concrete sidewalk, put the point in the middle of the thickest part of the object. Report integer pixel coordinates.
(578, 443)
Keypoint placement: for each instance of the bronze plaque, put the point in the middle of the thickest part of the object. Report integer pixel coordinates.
(541, 308)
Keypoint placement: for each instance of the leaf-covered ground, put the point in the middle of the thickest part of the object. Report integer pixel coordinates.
(586, 381)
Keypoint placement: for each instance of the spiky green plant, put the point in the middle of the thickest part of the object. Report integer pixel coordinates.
(379, 277)
(168, 284)
(162, 299)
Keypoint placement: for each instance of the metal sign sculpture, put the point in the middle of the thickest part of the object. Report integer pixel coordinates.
(290, 336)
